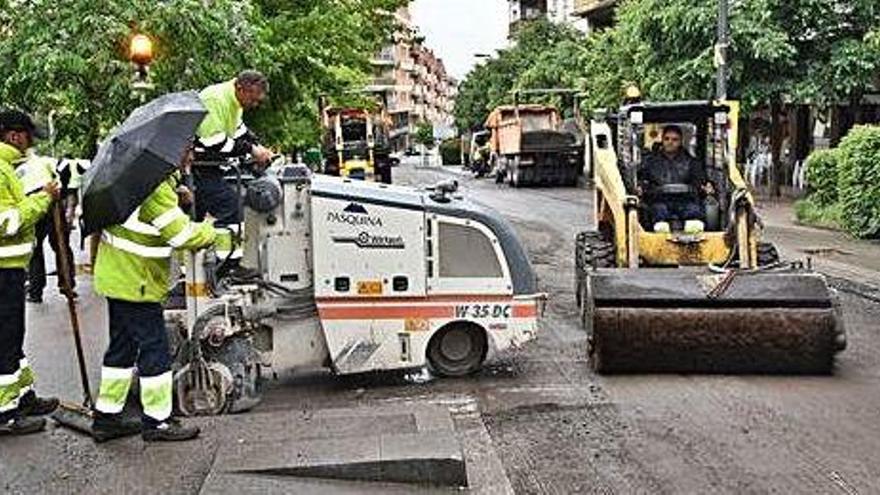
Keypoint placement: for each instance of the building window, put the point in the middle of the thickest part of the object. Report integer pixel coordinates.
(466, 252)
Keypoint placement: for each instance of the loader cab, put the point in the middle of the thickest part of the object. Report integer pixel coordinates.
(706, 137)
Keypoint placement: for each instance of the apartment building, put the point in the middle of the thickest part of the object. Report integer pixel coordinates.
(413, 84)
(560, 11)
(594, 14)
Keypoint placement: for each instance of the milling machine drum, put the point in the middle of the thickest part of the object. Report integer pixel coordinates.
(216, 374)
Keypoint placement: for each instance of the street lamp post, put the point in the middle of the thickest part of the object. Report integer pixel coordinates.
(140, 52)
(721, 48)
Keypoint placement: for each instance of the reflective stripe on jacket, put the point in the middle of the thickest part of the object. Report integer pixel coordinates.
(222, 134)
(18, 213)
(134, 258)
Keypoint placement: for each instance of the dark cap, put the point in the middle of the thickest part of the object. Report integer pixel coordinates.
(15, 120)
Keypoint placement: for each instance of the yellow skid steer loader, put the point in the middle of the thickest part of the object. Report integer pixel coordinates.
(708, 296)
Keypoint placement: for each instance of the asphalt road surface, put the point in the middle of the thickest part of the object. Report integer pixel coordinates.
(559, 428)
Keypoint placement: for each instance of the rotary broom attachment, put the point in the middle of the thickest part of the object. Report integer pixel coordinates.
(694, 320)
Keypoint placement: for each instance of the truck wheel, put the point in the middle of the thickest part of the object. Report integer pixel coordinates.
(458, 349)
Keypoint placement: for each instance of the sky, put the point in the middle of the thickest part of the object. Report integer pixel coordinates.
(457, 29)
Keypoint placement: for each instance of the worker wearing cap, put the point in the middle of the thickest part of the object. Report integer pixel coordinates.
(223, 135)
(34, 172)
(19, 213)
(133, 271)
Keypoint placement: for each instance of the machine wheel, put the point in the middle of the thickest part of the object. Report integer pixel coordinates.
(457, 350)
(767, 254)
(515, 178)
(591, 250)
(500, 172)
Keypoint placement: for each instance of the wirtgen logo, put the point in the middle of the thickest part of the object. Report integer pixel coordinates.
(355, 215)
(365, 240)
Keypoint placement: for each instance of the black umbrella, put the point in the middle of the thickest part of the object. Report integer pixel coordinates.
(137, 157)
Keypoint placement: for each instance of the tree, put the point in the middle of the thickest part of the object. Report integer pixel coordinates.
(424, 135)
(70, 58)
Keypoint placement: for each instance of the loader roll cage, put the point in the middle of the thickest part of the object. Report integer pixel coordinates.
(638, 128)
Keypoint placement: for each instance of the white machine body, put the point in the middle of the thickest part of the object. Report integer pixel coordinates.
(385, 268)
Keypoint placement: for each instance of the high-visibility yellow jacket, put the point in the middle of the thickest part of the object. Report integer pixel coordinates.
(134, 258)
(222, 134)
(18, 212)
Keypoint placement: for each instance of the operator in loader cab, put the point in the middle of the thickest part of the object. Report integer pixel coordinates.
(223, 135)
(672, 183)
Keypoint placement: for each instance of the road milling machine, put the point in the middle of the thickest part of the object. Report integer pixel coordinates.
(711, 299)
(355, 277)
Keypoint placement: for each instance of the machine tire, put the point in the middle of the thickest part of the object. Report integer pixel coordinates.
(767, 254)
(458, 349)
(591, 248)
(500, 172)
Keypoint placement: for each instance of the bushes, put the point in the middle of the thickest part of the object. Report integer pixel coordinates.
(809, 212)
(822, 176)
(858, 184)
(845, 185)
(450, 151)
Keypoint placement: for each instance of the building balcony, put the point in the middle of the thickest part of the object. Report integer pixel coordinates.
(594, 9)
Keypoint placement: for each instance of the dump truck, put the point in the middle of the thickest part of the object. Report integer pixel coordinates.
(714, 299)
(353, 277)
(530, 146)
(356, 143)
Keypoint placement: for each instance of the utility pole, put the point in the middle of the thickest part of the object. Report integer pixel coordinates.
(721, 47)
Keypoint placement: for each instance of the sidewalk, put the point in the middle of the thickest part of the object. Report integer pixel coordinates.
(833, 253)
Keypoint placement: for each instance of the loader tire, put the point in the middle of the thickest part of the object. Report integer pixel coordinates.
(767, 254)
(591, 250)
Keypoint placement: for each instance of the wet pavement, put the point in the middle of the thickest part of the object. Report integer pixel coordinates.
(539, 421)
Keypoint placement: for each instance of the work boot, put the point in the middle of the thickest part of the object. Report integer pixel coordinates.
(22, 426)
(31, 405)
(107, 427)
(170, 430)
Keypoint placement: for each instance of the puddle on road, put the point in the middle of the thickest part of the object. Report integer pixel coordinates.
(826, 251)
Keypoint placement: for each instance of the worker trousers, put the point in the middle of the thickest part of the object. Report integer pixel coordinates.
(137, 339)
(219, 199)
(37, 268)
(16, 377)
(668, 210)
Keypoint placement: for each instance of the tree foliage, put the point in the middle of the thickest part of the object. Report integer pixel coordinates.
(70, 57)
(424, 135)
(819, 51)
(816, 51)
